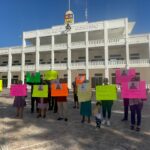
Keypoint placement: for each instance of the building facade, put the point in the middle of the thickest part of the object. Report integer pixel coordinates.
(95, 49)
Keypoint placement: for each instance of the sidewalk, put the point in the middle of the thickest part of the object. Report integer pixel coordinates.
(49, 134)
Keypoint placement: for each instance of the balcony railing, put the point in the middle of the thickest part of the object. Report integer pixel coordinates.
(17, 49)
(29, 67)
(45, 66)
(16, 68)
(78, 64)
(3, 68)
(138, 39)
(61, 46)
(4, 51)
(60, 66)
(45, 47)
(96, 42)
(115, 41)
(30, 49)
(96, 63)
(140, 61)
(116, 62)
(78, 44)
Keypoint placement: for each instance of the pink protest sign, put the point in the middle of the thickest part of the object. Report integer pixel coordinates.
(134, 89)
(18, 90)
(124, 75)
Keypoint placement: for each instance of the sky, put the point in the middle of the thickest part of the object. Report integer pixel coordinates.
(18, 16)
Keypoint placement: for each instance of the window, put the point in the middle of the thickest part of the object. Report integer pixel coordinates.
(81, 57)
(15, 77)
(4, 77)
(16, 61)
(65, 75)
(64, 61)
(97, 56)
(113, 77)
(135, 56)
(5, 62)
(27, 60)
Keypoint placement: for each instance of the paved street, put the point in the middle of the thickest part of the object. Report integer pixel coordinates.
(49, 134)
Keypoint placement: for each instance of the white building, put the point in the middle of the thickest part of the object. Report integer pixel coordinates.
(95, 49)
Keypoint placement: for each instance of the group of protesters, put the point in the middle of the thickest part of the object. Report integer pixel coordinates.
(58, 104)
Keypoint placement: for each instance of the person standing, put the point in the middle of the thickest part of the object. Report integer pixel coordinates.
(76, 102)
(33, 101)
(19, 103)
(106, 107)
(86, 108)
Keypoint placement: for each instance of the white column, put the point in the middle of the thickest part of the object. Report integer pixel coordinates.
(69, 59)
(127, 43)
(69, 78)
(9, 68)
(69, 50)
(87, 54)
(23, 64)
(23, 60)
(9, 79)
(52, 52)
(106, 50)
(37, 58)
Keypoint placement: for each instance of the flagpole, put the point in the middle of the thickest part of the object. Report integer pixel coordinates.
(86, 10)
(69, 4)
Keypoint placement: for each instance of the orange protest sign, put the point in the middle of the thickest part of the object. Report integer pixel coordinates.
(80, 79)
(59, 89)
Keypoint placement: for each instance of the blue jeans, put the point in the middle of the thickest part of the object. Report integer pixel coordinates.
(136, 112)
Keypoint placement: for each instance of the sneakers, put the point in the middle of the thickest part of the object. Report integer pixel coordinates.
(108, 123)
(104, 122)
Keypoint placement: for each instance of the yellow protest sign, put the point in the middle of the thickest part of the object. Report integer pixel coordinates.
(1, 85)
(84, 92)
(40, 91)
(106, 92)
(50, 75)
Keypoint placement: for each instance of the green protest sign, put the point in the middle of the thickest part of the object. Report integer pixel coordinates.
(106, 92)
(33, 77)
